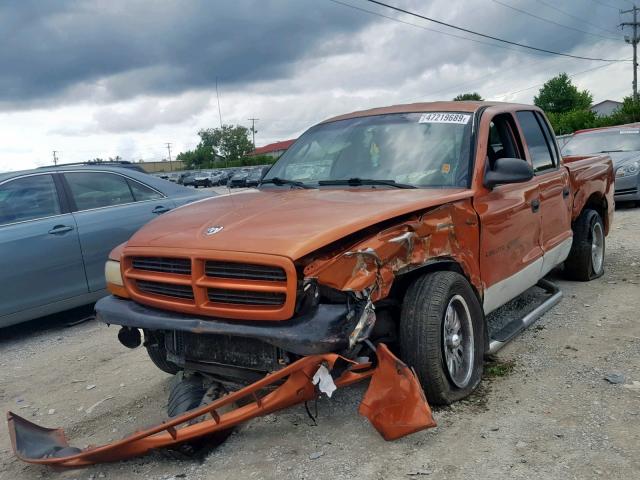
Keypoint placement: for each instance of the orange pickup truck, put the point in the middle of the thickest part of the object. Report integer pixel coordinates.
(405, 225)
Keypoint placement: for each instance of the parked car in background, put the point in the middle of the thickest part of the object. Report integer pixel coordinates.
(254, 177)
(57, 226)
(239, 179)
(622, 143)
(203, 179)
(189, 180)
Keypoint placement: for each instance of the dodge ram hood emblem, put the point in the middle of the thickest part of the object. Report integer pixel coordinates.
(213, 230)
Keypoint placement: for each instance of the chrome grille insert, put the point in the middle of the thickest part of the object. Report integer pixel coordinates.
(180, 266)
(165, 289)
(244, 271)
(244, 297)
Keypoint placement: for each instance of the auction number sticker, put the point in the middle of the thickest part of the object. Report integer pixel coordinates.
(443, 117)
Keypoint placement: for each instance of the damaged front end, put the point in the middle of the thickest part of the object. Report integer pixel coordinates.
(394, 403)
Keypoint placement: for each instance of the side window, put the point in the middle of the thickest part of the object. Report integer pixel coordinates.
(142, 192)
(550, 137)
(28, 198)
(537, 144)
(502, 143)
(98, 189)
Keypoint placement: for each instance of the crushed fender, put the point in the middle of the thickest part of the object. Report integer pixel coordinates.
(394, 403)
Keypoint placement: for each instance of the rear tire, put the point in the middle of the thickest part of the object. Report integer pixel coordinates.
(448, 360)
(586, 258)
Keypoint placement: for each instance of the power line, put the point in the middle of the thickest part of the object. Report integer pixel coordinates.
(253, 130)
(605, 4)
(484, 35)
(218, 96)
(422, 27)
(170, 163)
(541, 84)
(524, 12)
(634, 43)
(576, 18)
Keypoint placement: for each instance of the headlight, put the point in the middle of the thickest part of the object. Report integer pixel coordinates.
(627, 170)
(112, 273)
(113, 276)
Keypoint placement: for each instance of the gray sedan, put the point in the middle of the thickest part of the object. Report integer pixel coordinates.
(622, 143)
(57, 226)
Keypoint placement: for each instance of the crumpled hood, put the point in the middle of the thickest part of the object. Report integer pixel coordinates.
(622, 158)
(284, 222)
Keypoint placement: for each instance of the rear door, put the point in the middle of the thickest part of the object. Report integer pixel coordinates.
(108, 209)
(553, 183)
(39, 246)
(510, 226)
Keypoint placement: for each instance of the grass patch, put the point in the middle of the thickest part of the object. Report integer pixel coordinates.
(498, 368)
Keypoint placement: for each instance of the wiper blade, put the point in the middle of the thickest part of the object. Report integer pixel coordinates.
(611, 151)
(357, 181)
(283, 181)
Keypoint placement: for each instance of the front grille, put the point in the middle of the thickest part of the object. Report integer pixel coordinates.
(165, 289)
(181, 266)
(234, 285)
(244, 271)
(244, 297)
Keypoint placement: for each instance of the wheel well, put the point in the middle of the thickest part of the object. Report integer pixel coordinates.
(435, 265)
(599, 204)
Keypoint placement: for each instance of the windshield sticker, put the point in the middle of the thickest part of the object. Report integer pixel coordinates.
(446, 168)
(622, 132)
(442, 117)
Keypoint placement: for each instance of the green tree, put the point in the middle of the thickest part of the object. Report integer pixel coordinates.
(468, 96)
(230, 143)
(559, 95)
(201, 157)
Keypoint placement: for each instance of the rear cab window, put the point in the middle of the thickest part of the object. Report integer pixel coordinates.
(541, 147)
(28, 198)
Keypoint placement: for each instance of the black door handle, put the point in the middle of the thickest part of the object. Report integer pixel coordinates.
(160, 209)
(565, 192)
(535, 205)
(60, 229)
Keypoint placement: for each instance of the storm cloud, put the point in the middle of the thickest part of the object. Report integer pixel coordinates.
(98, 78)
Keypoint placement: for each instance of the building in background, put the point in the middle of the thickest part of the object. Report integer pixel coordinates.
(605, 108)
(274, 150)
(162, 166)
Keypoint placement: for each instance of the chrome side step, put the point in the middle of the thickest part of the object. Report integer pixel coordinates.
(513, 328)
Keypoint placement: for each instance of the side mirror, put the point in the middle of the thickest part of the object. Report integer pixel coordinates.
(508, 170)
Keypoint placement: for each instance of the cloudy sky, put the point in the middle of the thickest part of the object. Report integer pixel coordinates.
(123, 77)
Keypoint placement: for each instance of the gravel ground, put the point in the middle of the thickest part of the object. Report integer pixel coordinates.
(545, 412)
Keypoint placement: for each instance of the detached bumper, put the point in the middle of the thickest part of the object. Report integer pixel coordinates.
(324, 329)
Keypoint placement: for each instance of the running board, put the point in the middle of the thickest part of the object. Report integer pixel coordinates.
(513, 328)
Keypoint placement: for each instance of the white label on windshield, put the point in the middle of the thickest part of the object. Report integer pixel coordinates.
(443, 117)
(622, 132)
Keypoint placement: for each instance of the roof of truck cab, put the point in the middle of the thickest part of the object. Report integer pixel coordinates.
(449, 106)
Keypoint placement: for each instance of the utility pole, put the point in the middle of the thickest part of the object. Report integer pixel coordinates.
(55, 158)
(169, 149)
(634, 43)
(253, 130)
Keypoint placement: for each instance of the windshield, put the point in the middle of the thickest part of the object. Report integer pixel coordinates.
(626, 140)
(420, 149)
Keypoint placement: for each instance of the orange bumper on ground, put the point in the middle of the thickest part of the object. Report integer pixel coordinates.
(394, 403)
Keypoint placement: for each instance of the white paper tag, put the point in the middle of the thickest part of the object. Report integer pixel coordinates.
(445, 117)
(324, 380)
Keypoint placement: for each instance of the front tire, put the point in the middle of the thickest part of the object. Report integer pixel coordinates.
(586, 258)
(442, 336)
(158, 356)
